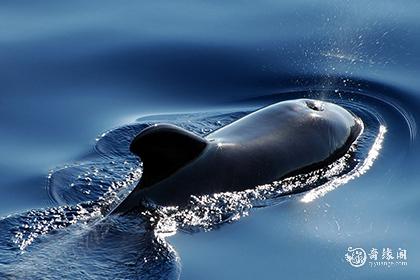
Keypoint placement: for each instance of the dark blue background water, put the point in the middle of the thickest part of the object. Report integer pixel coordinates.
(70, 71)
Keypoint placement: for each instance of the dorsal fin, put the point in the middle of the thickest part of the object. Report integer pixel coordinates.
(163, 149)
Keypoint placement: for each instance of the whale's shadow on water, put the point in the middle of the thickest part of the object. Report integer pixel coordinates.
(77, 238)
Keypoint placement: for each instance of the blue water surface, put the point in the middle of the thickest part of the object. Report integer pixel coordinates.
(79, 79)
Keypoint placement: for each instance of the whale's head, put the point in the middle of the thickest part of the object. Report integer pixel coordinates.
(325, 111)
(338, 121)
(314, 122)
(323, 125)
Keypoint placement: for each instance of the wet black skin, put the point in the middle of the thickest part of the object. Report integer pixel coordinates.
(274, 142)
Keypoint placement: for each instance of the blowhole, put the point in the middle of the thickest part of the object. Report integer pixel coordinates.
(315, 105)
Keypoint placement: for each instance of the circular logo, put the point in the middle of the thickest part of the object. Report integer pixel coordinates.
(356, 257)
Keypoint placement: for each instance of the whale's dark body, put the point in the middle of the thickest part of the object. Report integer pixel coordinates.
(283, 139)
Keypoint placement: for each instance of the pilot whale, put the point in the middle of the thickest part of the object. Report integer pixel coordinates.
(277, 141)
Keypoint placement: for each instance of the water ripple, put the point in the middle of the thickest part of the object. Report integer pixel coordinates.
(86, 191)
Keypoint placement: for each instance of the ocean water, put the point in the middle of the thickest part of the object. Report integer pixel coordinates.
(79, 80)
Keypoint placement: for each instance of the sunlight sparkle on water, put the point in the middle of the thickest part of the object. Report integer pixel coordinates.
(364, 167)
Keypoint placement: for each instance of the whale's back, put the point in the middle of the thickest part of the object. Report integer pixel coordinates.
(279, 140)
